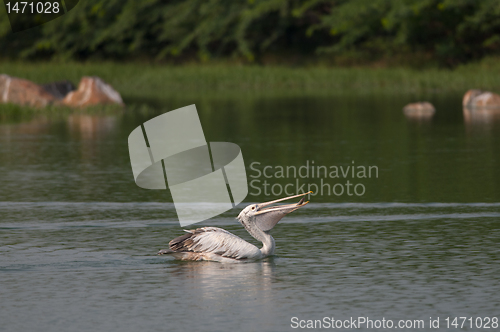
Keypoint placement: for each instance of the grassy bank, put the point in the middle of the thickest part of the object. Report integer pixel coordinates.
(143, 81)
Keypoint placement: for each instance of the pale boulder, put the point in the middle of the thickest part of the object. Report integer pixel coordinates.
(469, 96)
(92, 90)
(421, 110)
(481, 99)
(23, 92)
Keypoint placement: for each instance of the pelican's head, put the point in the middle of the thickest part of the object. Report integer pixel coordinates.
(265, 217)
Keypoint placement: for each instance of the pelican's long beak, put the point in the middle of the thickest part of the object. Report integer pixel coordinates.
(286, 208)
(266, 217)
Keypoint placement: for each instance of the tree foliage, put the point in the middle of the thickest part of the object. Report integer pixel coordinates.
(446, 31)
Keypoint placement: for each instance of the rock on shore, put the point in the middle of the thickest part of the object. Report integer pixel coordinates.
(23, 92)
(480, 99)
(92, 90)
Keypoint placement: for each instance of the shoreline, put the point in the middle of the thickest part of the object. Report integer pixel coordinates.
(138, 80)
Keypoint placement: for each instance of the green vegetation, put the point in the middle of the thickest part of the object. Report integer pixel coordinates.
(136, 81)
(147, 88)
(401, 32)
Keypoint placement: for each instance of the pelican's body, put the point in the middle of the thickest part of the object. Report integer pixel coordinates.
(217, 244)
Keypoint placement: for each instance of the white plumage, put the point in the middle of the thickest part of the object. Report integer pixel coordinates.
(217, 244)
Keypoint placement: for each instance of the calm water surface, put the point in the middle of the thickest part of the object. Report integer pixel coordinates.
(78, 238)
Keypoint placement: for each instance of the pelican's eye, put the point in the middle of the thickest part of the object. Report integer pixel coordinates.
(253, 207)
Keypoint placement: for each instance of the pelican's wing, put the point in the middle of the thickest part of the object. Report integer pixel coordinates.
(214, 240)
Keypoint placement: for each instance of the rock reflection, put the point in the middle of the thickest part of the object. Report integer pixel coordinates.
(481, 118)
(37, 126)
(90, 126)
(80, 125)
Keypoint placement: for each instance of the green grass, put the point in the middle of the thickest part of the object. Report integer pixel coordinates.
(136, 81)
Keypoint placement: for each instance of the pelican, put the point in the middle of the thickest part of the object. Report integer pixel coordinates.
(217, 244)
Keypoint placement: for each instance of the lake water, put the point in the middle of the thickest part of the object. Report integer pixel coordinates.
(78, 238)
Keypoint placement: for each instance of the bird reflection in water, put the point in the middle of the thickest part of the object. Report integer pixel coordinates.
(220, 282)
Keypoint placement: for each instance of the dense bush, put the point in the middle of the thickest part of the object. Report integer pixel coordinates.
(444, 31)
